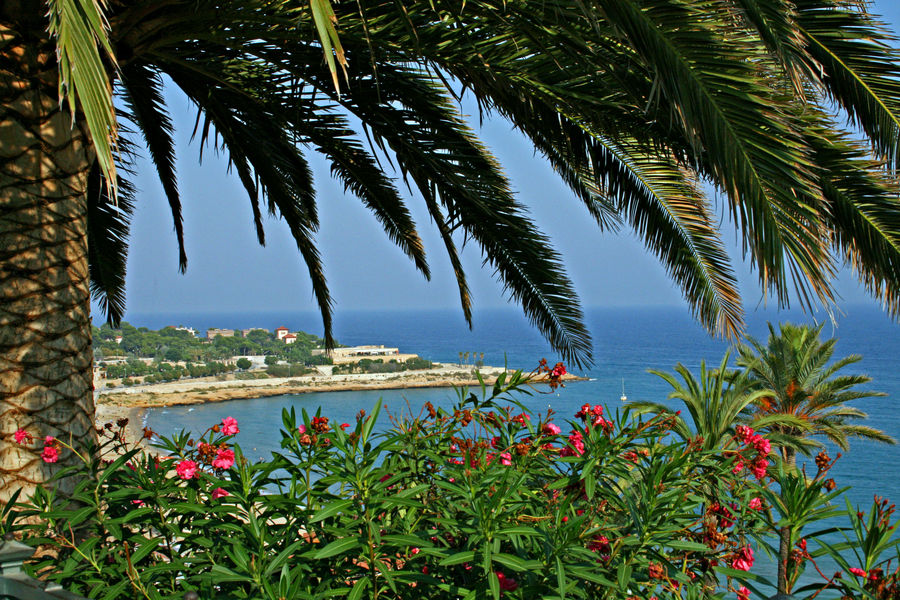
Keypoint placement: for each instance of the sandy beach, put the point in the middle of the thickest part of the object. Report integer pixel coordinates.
(120, 402)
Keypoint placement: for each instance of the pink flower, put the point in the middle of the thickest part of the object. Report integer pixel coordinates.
(302, 429)
(758, 468)
(507, 584)
(138, 503)
(230, 426)
(219, 493)
(755, 504)
(743, 593)
(857, 571)
(743, 559)
(551, 429)
(761, 444)
(743, 432)
(224, 459)
(21, 435)
(186, 469)
(558, 371)
(506, 459)
(49, 439)
(414, 551)
(495, 441)
(738, 467)
(600, 543)
(50, 454)
(576, 446)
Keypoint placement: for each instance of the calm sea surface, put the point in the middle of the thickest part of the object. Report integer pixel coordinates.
(627, 342)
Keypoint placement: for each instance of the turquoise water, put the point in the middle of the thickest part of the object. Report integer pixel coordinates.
(627, 342)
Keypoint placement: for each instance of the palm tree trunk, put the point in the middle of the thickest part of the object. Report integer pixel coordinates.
(45, 334)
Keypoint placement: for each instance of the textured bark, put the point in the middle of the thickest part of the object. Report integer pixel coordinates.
(45, 335)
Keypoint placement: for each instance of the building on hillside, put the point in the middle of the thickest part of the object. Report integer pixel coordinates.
(354, 354)
(190, 330)
(289, 338)
(215, 332)
(280, 332)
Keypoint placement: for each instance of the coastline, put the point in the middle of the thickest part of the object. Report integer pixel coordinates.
(133, 403)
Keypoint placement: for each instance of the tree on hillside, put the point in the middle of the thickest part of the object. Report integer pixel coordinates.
(633, 103)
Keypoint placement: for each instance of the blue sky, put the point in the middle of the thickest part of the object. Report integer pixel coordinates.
(228, 271)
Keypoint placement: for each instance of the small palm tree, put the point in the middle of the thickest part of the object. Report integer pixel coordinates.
(715, 402)
(794, 373)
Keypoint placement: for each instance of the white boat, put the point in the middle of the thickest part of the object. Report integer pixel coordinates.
(624, 398)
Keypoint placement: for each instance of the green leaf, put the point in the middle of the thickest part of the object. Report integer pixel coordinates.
(337, 547)
(458, 558)
(358, 589)
(331, 509)
(516, 563)
(146, 547)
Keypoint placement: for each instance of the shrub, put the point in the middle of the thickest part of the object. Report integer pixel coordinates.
(482, 501)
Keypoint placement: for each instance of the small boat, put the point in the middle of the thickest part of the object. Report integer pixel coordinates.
(624, 398)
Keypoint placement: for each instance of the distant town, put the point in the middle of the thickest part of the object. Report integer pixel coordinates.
(128, 355)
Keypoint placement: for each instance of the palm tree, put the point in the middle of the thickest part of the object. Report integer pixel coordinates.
(633, 103)
(793, 372)
(716, 403)
(796, 380)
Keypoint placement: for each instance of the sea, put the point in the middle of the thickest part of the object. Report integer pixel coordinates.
(627, 342)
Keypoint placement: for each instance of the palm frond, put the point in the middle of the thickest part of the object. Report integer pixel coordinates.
(143, 95)
(108, 223)
(82, 44)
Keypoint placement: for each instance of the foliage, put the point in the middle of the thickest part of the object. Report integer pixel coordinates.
(484, 500)
(378, 365)
(632, 103)
(479, 501)
(804, 392)
(180, 346)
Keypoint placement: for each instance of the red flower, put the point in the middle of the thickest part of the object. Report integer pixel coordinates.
(224, 459)
(506, 459)
(576, 447)
(551, 429)
(21, 435)
(743, 593)
(744, 433)
(756, 504)
(758, 468)
(219, 493)
(186, 469)
(344, 426)
(761, 444)
(507, 584)
(230, 426)
(743, 559)
(50, 454)
(857, 571)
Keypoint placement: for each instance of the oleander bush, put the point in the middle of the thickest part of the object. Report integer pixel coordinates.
(485, 500)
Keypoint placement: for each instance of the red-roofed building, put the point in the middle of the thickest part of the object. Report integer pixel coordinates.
(280, 332)
(290, 338)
